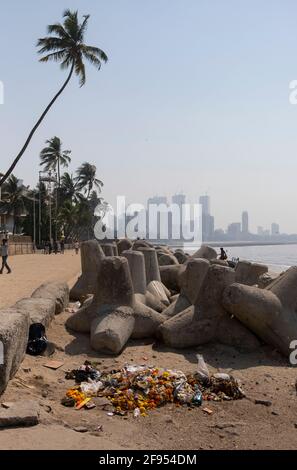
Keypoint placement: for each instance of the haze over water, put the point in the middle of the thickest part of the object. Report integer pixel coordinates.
(277, 257)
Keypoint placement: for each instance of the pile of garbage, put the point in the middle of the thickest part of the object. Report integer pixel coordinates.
(140, 388)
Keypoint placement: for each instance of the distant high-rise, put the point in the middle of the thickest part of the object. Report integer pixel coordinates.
(178, 199)
(176, 227)
(234, 230)
(157, 200)
(205, 203)
(245, 222)
(207, 219)
(274, 229)
(154, 226)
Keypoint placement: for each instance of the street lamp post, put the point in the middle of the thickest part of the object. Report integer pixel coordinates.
(48, 178)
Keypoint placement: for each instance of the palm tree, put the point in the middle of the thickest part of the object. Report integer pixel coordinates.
(86, 178)
(53, 157)
(69, 189)
(14, 195)
(65, 45)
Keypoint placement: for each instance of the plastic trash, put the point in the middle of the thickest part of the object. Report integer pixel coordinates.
(136, 413)
(221, 376)
(197, 398)
(202, 370)
(91, 388)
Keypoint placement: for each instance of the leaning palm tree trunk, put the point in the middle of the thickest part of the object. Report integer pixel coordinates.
(12, 166)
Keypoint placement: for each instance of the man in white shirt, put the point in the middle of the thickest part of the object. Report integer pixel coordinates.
(4, 254)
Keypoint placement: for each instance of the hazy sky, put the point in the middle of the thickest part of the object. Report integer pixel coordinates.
(195, 97)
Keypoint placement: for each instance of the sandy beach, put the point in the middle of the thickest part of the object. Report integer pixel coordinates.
(29, 271)
(240, 424)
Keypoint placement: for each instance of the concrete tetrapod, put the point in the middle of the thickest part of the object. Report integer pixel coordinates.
(14, 330)
(124, 244)
(91, 257)
(180, 304)
(147, 321)
(109, 249)
(207, 320)
(167, 259)
(112, 328)
(151, 264)
(271, 312)
(206, 252)
(57, 291)
(169, 276)
(137, 270)
(249, 273)
(191, 277)
(113, 288)
(160, 291)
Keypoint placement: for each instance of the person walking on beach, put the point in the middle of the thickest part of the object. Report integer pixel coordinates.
(4, 254)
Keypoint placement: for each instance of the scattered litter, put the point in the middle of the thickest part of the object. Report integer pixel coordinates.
(207, 410)
(136, 413)
(221, 376)
(140, 388)
(80, 429)
(7, 405)
(83, 374)
(90, 405)
(53, 364)
(91, 388)
(99, 428)
(263, 402)
(82, 404)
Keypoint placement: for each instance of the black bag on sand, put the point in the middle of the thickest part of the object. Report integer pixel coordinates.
(37, 342)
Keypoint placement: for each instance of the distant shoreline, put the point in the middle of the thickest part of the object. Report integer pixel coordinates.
(233, 243)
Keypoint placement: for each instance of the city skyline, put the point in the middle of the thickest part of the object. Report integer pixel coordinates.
(233, 230)
(187, 126)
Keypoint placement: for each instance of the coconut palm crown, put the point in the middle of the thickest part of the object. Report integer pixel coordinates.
(64, 44)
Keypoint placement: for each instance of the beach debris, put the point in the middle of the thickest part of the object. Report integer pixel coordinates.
(263, 402)
(136, 413)
(207, 410)
(82, 404)
(90, 405)
(7, 404)
(80, 429)
(84, 373)
(53, 364)
(141, 388)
